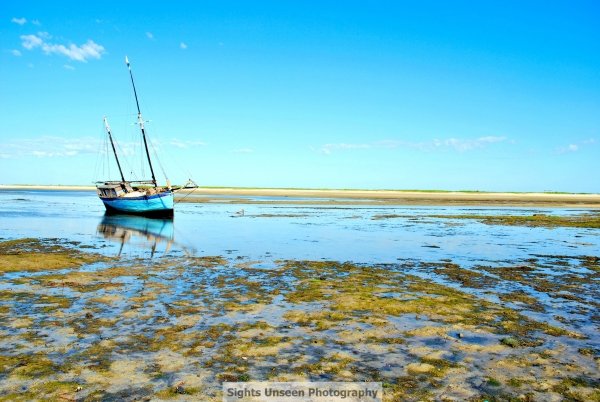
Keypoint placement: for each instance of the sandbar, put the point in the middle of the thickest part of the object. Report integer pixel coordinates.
(241, 195)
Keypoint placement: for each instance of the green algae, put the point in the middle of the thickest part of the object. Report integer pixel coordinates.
(535, 220)
(320, 320)
(30, 255)
(589, 352)
(361, 289)
(523, 298)
(578, 389)
(493, 382)
(567, 286)
(590, 220)
(333, 321)
(176, 392)
(45, 391)
(90, 324)
(518, 382)
(29, 366)
(325, 366)
(440, 366)
(85, 282)
(466, 277)
(206, 261)
(97, 357)
(512, 342)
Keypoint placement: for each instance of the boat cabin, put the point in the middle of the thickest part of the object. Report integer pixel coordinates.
(113, 190)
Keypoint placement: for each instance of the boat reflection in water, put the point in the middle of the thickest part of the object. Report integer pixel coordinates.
(143, 232)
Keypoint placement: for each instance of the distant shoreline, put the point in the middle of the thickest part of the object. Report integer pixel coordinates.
(231, 195)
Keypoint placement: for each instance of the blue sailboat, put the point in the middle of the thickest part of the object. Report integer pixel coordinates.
(142, 197)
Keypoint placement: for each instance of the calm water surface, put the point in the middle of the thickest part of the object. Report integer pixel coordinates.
(271, 232)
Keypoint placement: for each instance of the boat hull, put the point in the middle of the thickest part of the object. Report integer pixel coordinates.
(155, 205)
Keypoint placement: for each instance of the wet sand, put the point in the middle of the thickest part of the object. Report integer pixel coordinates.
(362, 197)
(389, 197)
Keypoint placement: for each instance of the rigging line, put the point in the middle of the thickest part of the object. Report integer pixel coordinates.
(97, 164)
(136, 147)
(158, 159)
(126, 161)
(141, 122)
(131, 171)
(107, 157)
(100, 159)
(114, 149)
(142, 164)
(95, 168)
(188, 194)
(156, 156)
(179, 165)
(169, 156)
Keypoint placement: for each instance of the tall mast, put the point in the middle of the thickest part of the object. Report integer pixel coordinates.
(141, 122)
(113, 147)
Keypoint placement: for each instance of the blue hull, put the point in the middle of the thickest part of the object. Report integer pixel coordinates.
(158, 205)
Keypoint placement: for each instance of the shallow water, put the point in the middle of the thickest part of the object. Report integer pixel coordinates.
(268, 233)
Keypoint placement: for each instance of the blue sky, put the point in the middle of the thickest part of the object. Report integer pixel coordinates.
(489, 95)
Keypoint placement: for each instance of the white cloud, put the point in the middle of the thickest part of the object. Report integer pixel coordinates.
(185, 144)
(575, 147)
(149, 35)
(69, 67)
(16, 52)
(20, 21)
(463, 145)
(183, 46)
(329, 148)
(49, 146)
(88, 50)
(457, 144)
(54, 146)
(243, 150)
(36, 22)
(31, 41)
(42, 154)
(568, 149)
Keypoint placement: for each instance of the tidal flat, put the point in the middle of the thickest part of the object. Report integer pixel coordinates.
(436, 303)
(88, 327)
